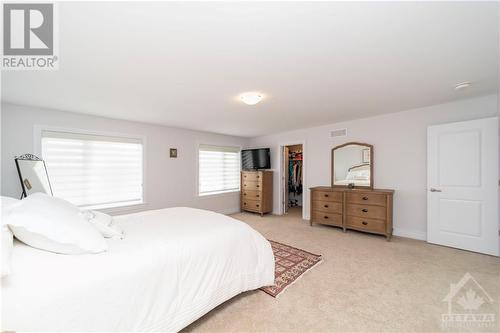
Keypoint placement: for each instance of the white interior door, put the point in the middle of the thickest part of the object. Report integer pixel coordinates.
(463, 180)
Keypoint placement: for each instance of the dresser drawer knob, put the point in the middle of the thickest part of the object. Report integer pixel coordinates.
(326, 195)
(258, 196)
(326, 217)
(256, 205)
(244, 194)
(364, 223)
(326, 206)
(364, 210)
(244, 204)
(258, 186)
(365, 198)
(258, 177)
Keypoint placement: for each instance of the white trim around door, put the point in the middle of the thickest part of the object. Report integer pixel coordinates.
(305, 191)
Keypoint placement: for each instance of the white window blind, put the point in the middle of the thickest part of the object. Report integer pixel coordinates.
(219, 169)
(94, 171)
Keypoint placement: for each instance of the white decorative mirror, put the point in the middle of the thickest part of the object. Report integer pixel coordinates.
(352, 165)
(32, 175)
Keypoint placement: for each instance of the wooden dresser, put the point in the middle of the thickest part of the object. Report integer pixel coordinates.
(257, 191)
(358, 209)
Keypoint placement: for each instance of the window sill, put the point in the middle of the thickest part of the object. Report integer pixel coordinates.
(218, 194)
(109, 209)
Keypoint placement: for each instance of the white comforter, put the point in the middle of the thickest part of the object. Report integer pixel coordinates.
(174, 266)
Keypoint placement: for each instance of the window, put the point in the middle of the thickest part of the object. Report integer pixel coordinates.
(94, 171)
(219, 169)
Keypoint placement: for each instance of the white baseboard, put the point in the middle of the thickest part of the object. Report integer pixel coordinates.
(229, 211)
(420, 235)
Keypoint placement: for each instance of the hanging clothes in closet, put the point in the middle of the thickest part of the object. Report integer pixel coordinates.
(294, 178)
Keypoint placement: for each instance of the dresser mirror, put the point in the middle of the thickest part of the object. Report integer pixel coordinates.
(352, 165)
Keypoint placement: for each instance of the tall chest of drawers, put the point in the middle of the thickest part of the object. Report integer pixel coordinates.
(358, 209)
(257, 191)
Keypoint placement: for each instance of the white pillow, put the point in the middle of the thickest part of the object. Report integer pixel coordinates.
(7, 247)
(55, 225)
(104, 223)
(7, 239)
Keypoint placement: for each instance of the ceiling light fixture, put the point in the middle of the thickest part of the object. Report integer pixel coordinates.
(462, 85)
(251, 98)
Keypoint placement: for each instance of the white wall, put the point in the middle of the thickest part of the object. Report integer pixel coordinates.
(399, 141)
(168, 182)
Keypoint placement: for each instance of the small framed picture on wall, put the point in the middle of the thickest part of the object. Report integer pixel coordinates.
(173, 152)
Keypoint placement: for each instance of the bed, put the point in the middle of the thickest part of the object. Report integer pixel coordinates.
(358, 175)
(357, 182)
(173, 266)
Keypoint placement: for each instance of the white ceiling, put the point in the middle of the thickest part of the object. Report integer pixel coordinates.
(183, 64)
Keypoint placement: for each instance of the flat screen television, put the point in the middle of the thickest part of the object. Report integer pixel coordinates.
(253, 159)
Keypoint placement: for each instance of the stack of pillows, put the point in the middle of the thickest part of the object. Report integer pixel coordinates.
(52, 224)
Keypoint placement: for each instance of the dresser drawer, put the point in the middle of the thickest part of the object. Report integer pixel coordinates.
(373, 212)
(327, 206)
(327, 196)
(251, 176)
(365, 224)
(251, 195)
(367, 198)
(252, 205)
(326, 218)
(249, 185)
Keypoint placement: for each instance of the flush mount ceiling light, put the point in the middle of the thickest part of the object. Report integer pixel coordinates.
(251, 98)
(462, 85)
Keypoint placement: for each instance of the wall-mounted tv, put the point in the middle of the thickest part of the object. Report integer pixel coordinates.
(253, 159)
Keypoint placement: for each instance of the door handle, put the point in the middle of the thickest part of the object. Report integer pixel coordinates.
(435, 190)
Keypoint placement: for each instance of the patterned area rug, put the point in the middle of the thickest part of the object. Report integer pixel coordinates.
(290, 264)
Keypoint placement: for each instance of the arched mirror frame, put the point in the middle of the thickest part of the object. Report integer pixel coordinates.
(371, 165)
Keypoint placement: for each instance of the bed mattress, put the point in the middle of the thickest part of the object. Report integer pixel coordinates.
(173, 266)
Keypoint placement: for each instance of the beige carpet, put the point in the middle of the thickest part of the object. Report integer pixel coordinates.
(364, 284)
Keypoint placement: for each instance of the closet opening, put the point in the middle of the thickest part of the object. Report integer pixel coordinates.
(293, 159)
